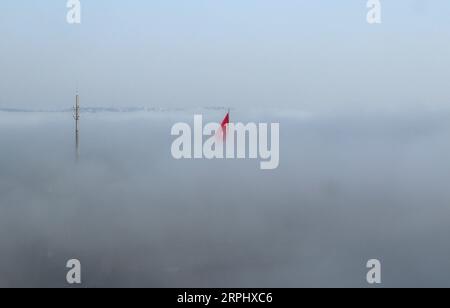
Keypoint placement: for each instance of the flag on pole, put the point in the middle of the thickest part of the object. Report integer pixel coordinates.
(224, 126)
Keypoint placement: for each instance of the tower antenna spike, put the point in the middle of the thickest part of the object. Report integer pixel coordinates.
(76, 116)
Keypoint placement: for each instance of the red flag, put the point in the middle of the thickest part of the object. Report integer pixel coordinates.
(224, 126)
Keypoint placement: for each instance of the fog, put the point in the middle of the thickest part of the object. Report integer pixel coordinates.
(350, 187)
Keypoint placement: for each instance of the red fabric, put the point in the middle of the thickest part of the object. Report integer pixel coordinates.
(224, 125)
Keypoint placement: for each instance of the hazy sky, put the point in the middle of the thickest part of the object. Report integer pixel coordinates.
(287, 53)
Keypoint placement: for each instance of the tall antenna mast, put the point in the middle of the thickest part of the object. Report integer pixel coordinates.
(76, 116)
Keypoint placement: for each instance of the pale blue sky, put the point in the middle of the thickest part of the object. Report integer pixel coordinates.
(238, 53)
